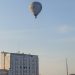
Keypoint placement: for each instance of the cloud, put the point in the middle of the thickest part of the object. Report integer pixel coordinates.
(65, 28)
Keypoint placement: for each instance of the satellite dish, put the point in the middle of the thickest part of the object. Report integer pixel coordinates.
(35, 8)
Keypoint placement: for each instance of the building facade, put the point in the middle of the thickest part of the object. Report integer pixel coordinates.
(19, 64)
(72, 74)
(3, 72)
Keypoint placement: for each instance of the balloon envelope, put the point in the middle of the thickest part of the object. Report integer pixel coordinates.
(35, 8)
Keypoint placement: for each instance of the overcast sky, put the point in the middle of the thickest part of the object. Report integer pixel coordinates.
(51, 35)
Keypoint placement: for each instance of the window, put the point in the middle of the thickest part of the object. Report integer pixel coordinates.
(20, 67)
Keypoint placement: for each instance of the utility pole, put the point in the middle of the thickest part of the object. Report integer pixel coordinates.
(66, 67)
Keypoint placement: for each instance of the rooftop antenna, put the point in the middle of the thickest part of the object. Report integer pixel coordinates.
(66, 67)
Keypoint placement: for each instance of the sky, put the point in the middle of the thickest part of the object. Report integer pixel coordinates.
(51, 36)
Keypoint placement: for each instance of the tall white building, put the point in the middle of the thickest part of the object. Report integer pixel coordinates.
(19, 64)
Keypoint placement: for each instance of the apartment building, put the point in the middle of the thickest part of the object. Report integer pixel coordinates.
(19, 63)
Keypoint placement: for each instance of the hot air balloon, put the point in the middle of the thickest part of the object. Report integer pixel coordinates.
(35, 8)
